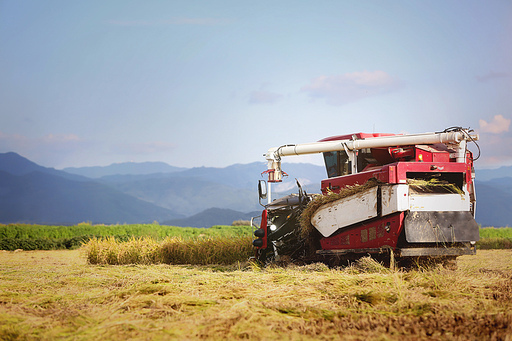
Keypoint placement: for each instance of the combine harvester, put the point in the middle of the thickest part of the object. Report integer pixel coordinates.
(402, 197)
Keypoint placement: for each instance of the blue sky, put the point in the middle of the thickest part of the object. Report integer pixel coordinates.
(213, 83)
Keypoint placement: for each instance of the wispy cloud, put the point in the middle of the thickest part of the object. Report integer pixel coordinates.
(499, 124)
(350, 87)
(264, 97)
(492, 76)
(172, 21)
(495, 150)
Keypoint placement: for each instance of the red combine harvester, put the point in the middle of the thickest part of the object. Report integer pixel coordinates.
(406, 196)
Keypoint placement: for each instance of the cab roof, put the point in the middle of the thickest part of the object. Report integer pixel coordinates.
(358, 136)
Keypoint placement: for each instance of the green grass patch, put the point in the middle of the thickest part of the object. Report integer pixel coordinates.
(495, 238)
(49, 237)
(496, 232)
(156, 231)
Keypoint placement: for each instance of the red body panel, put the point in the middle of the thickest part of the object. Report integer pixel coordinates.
(358, 136)
(395, 173)
(376, 234)
(263, 226)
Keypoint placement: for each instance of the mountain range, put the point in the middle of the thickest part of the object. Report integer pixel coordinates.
(155, 191)
(128, 168)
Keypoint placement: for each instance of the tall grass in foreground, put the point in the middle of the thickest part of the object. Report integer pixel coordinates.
(172, 250)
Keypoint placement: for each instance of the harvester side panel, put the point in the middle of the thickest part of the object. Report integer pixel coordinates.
(395, 198)
(440, 202)
(347, 211)
(380, 233)
(440, 227)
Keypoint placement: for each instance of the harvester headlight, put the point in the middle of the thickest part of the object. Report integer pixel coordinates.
(260, 233)
(257, 242)
(273, 227)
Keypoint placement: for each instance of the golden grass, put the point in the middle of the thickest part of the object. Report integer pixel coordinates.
(52, 295)
(172, 250)
(433, 186)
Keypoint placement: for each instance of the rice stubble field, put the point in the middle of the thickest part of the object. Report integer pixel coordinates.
(52, 295)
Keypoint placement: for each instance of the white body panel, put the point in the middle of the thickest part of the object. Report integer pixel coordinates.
(345, 212)
(395, 198)
(439, 202)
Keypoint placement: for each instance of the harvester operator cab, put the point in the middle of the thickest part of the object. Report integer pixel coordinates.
(338, 163)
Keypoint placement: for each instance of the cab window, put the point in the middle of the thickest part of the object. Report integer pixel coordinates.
(336, 163)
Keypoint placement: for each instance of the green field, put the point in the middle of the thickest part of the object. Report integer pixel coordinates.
(495, 238)
(47, 237)
(493, 232)
(57, 295)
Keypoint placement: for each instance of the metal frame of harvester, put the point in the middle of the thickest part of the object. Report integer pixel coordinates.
(408, 196)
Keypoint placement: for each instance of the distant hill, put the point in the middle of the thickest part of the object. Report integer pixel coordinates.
(132, 168)
(47, 199)
(494, 202)
(188, 195)
(30, 193)
(211, 217)
(16, 164)
(237, 175)
(35, 194)
(247, 175)
(194, 190)
(489, 174)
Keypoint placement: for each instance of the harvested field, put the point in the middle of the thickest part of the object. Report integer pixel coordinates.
(57, 295)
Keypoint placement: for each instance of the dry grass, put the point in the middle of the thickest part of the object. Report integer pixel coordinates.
(433, 186)
(57, 295)
(172, 250)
